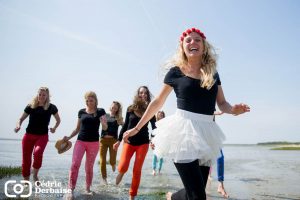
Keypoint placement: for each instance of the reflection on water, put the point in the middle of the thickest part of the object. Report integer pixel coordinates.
(251, 172)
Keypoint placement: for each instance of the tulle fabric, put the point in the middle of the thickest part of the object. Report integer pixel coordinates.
(186, 136)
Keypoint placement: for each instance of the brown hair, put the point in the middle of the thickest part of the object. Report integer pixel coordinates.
(160, 112)
(139, 105)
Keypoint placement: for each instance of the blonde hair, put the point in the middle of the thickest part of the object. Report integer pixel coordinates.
(93, 95)
(208, 66)
(35, 101)
(118, 116)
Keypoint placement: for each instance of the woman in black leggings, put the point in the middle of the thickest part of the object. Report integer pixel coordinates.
(190, 137)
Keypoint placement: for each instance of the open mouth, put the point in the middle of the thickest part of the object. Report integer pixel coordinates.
(193, 49)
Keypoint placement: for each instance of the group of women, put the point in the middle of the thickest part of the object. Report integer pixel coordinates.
(190, 137)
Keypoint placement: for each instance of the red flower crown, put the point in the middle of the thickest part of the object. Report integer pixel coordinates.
(189, 31)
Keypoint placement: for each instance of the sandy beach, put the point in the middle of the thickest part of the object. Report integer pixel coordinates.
(251, 172)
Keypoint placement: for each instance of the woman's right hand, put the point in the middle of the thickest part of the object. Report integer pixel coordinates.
(17, 129)
(66, 138)
(152, 146)
(116, 146)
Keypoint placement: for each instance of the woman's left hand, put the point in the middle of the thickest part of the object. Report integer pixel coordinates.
(240, 109)
(52, 130)
(129, 133)
(103, 119)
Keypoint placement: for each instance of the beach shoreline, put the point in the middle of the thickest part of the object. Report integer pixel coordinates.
(251, 172)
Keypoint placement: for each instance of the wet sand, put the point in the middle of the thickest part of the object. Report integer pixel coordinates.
(251, 172)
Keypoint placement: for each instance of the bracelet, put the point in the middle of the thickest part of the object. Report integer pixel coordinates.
(138, 130)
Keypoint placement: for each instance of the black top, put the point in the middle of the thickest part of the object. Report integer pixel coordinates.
(39, 119)
(190, 96)
(142, 137)
(112, 127)
(89, 125)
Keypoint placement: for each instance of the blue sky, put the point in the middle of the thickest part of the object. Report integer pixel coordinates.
(112, 47)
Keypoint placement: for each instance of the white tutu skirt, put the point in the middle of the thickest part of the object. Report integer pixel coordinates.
(187, 136)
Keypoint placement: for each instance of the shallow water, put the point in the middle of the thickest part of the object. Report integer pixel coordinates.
(251, 172)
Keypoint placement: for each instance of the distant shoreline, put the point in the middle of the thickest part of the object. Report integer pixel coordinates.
(292, 148)
(12, 139)
(283, 145)
(279, 143)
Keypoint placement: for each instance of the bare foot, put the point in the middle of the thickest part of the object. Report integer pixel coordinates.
(70, 196)
(131, 197)
(104, 181)
(113, 167)
(168, 195)
(153, 173)
(119, 178)
(36, 180)
(222, 191)
(88, 191)
(26, 179)
(35, 176)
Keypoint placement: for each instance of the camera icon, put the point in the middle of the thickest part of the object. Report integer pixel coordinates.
(18, 188)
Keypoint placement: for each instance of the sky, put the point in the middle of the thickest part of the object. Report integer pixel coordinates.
(113, 47)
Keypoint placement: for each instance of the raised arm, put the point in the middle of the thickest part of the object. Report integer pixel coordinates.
(103, 121)
(225, 107)
(153, 107)
(20, 121)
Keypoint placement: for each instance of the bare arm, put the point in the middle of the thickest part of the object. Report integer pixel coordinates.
(218, 113)
(20, 121)
(153, 107)
(225, 107)
(74, 132)
(103, 121)
(57, 118)
(124, 128)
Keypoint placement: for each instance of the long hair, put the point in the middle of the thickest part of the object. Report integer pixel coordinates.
(157, 115)
(139, 105)
(208, 66)
(93, 95)
(118, 115)
(35, 101)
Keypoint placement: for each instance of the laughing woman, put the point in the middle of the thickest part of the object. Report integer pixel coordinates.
(190, 137)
